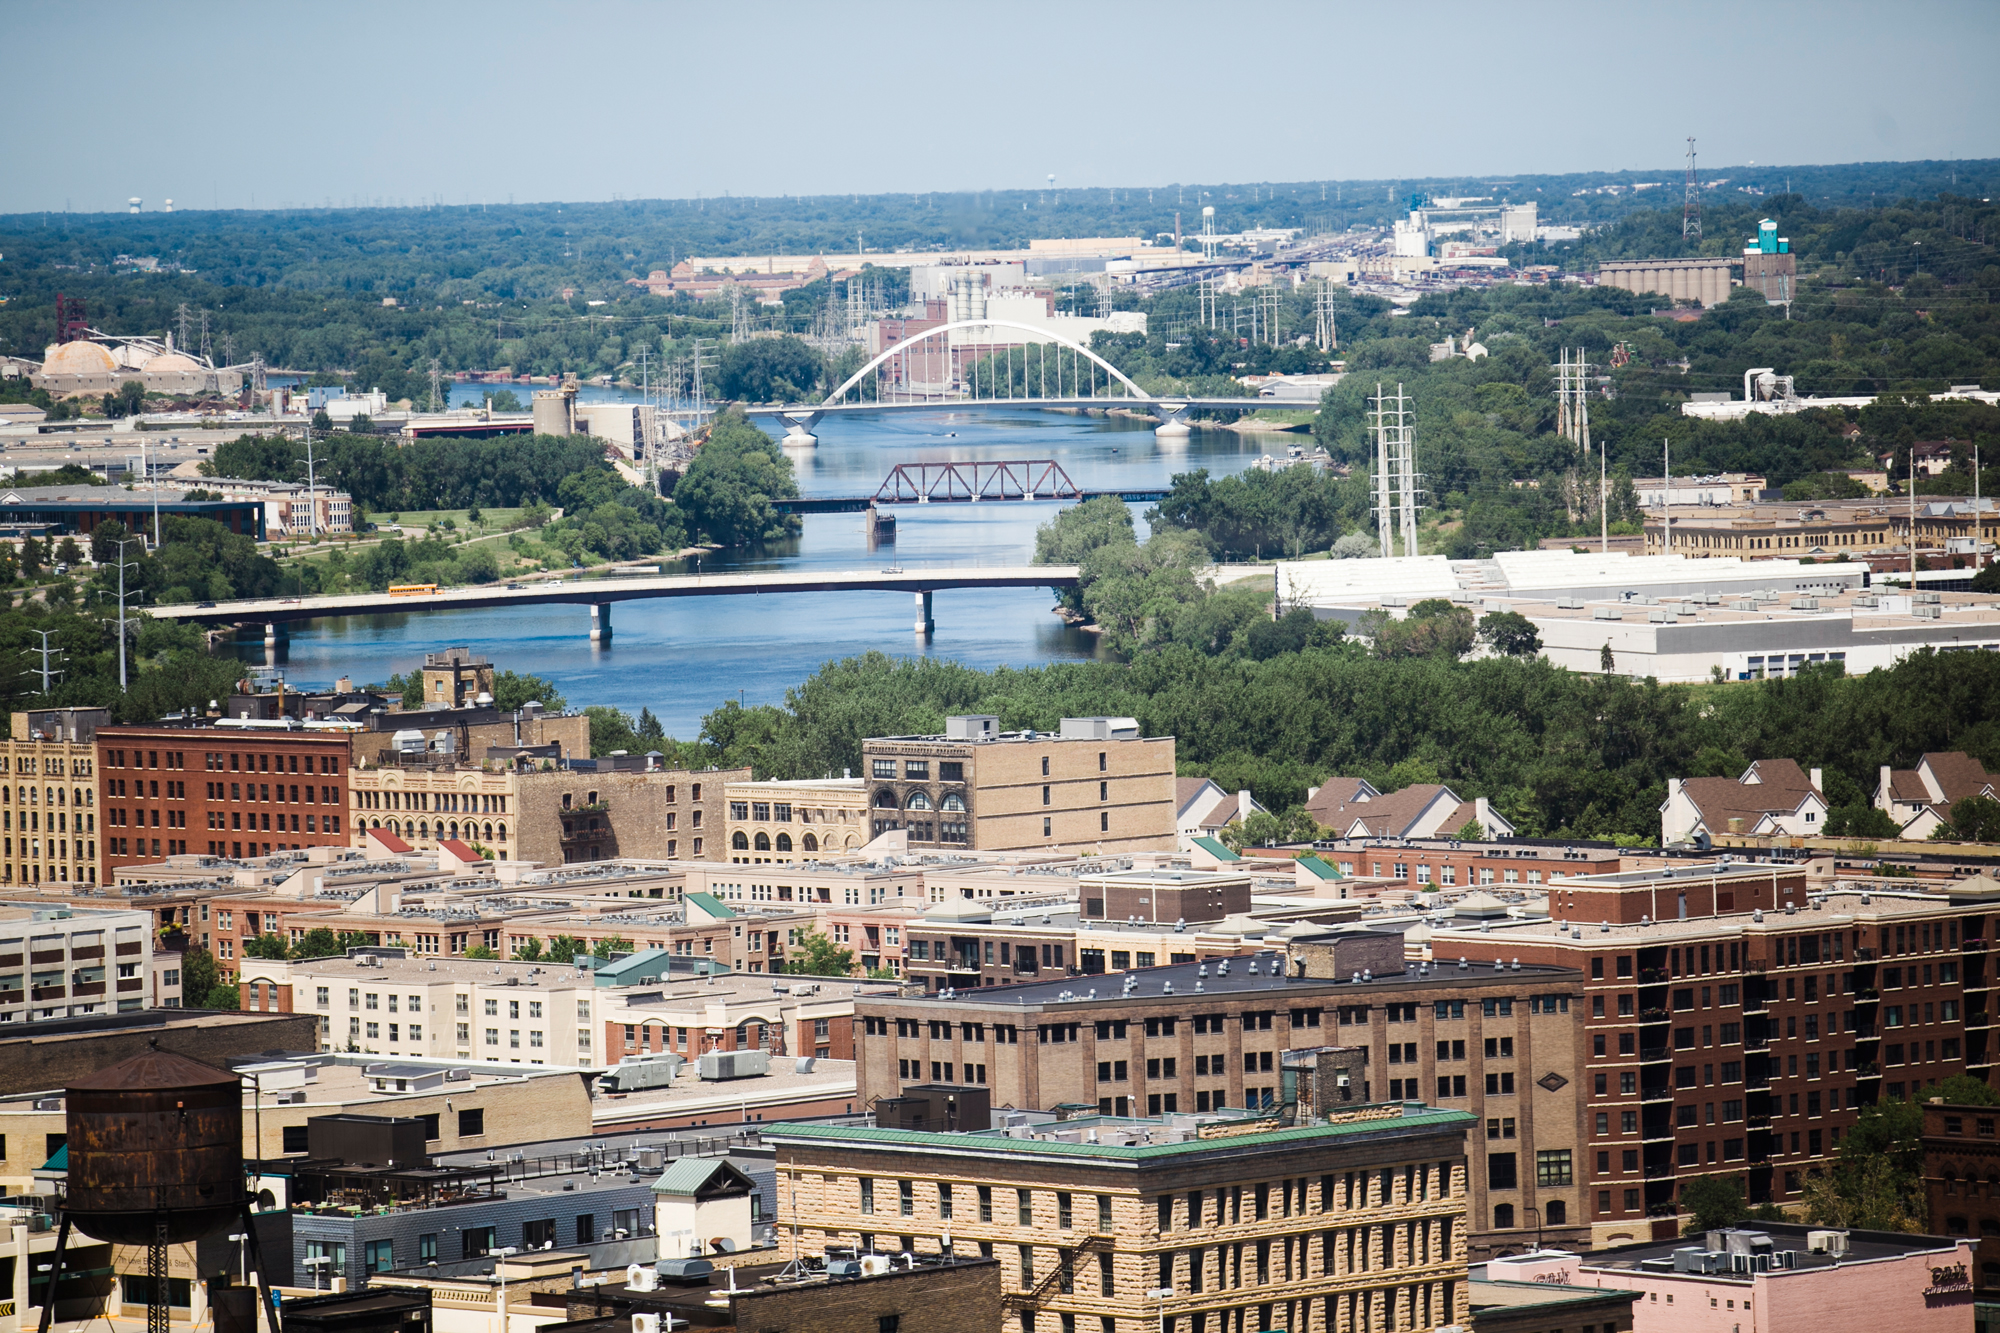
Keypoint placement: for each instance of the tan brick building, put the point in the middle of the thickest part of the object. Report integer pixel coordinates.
(48, 806)
(425, 806)
(578, 814)
(1501, 1046)
(780, 823)
(1095, 784)
(1354, 1223)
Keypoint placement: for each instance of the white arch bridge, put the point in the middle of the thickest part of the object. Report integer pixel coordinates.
(934, 370)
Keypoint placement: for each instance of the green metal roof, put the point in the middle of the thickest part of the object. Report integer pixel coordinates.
(1319, 867)
(712, 905)
(59, 1162)
(1414, 1117)
(689, 1174)
(1215, 848)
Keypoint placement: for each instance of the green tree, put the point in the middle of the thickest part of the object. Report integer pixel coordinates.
(1965, 1090)
(1510, 633)
(603, 949)
(512, 690)
(69, 553)
(650, 732)
(813, 954)
(1605, 661)
(610, 730)
(564, 949)
(528, 952)
(1710, 1203)
(728, 490)
(1263, 829)
(1471, 831)
(1975, 819)
(770, 370)
(33, 556)
(1077, 531)
(480, 951)
(199, 976)
(226, 996)
(1432, 628)
(266, 945)
(1859, 820)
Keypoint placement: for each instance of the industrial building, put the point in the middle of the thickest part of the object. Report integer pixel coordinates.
(1705, 282)
(79, 510)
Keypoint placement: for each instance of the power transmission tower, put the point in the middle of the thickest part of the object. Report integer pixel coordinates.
(206, 357)
(1325, 337)
(1691, 201)
(45, 671)
(182, 318)
(1396, 478)
(1562, 395)
(436, 374)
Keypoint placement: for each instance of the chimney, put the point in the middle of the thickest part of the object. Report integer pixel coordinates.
(1483, 812)
(1674, 788)
(1816, 782)
(1884, 789)
(1243, 804)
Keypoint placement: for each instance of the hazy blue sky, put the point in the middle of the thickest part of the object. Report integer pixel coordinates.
(214, 102)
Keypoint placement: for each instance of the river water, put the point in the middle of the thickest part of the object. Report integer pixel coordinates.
(682, 657)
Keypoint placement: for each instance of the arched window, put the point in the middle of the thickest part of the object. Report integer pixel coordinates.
(1503, 1216)
(489, 832)
(917, 801)
(503, 836)
(454, 829)
(739, 842)
(809, 843)
(952, 801)
(395, 829)
(763, 842)
(885, 799)
(1557, 1213)
(423, 828)
(784, 842)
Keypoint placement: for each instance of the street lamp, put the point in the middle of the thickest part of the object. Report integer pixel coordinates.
(1162, 1295)
(500, 1258)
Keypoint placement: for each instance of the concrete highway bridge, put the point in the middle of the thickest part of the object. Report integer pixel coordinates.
(599, 594)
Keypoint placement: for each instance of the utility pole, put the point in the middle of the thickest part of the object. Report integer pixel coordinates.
(45, 671)
(123, 564)
(1666, 497)
(1691, 202)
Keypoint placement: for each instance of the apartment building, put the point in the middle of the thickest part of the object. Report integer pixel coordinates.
(48, 805)
(1198, 1037)
(781, 823)
(62, 962)
(1962, 1182)
(399, 1004)
(1226, 1223)
(426, 806)
(1736, 1023)
(218, 790)
(1094, 784)
(693, 1015)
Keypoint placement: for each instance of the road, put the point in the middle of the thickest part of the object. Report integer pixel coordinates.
(602, 592)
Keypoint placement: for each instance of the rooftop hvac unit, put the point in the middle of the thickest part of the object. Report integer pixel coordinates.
(638, 1277)
(1827, 1242)
(643, 1322)
(1930, 598)
(1604, 613)
(1659, 615)
(1805, 603)
(874, 1265)
(843, 1268)
(718, 1065)
(1569, 603)
(1927, 612)
(1743, 604)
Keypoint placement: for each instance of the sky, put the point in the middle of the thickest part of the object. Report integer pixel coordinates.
(216, 103)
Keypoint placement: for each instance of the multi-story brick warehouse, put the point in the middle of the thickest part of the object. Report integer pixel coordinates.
(1735, 1024)
(219, 791)
(1097, 783)
(1223, 1224)
(1198, 1037)
(48, 802)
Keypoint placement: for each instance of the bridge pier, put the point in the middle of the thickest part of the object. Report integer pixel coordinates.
(600, 622)
(925, 625)
(798, 431)
(1174, 425)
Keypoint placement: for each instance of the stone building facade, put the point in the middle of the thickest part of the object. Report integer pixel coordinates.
(48, 805)
(1356, 1223)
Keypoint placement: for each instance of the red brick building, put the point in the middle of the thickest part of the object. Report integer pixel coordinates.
(217, 791)
(1735, 1022)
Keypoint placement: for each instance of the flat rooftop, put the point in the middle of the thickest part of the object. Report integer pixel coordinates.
(1134, 1140)
(1261, 974)
(1861, 1245)
(1819, 909)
